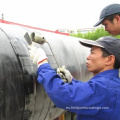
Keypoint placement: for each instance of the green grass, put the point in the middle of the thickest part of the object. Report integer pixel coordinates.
(94, 34)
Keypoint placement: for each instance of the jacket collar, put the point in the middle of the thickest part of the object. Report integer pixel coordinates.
(108, 73)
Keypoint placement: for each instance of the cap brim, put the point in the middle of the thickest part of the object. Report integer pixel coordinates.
(90, 43)
(99, 22)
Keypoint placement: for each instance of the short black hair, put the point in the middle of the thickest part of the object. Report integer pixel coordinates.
(111, 17)
(106, 53)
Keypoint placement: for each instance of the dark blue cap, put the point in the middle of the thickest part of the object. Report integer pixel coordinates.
(108, 10)
(110, 44)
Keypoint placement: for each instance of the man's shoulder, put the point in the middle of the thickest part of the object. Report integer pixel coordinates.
(109, 78)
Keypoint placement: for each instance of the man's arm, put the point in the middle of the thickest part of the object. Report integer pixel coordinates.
(72, 96)
(76, 96)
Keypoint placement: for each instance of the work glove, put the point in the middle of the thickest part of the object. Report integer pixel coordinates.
(38, 55)
(65, 74)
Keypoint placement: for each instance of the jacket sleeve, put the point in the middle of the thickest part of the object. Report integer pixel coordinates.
(77, 96)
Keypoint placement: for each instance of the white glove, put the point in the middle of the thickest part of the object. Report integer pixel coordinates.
(65, 74)
(38, 55)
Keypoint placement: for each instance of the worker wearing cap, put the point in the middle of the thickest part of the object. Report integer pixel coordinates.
(110, 18)
(97, 99)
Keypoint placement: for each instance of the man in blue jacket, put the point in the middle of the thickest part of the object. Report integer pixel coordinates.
(97, 99)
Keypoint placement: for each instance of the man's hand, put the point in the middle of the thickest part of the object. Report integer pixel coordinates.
(65, 74)
(37, 55)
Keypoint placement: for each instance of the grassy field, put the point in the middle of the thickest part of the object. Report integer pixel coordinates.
(94, 34)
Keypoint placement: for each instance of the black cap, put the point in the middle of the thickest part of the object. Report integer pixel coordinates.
(110, 44)
(108, 10)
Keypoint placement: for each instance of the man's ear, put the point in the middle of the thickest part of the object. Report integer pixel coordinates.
(117, 17)
(110, 60)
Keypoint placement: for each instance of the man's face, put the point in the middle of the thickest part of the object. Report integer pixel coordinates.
(112, 27)
(95, 61)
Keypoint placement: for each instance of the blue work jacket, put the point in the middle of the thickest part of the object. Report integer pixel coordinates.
(97, 99)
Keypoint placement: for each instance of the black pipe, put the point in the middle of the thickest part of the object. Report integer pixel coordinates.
(21, 97)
